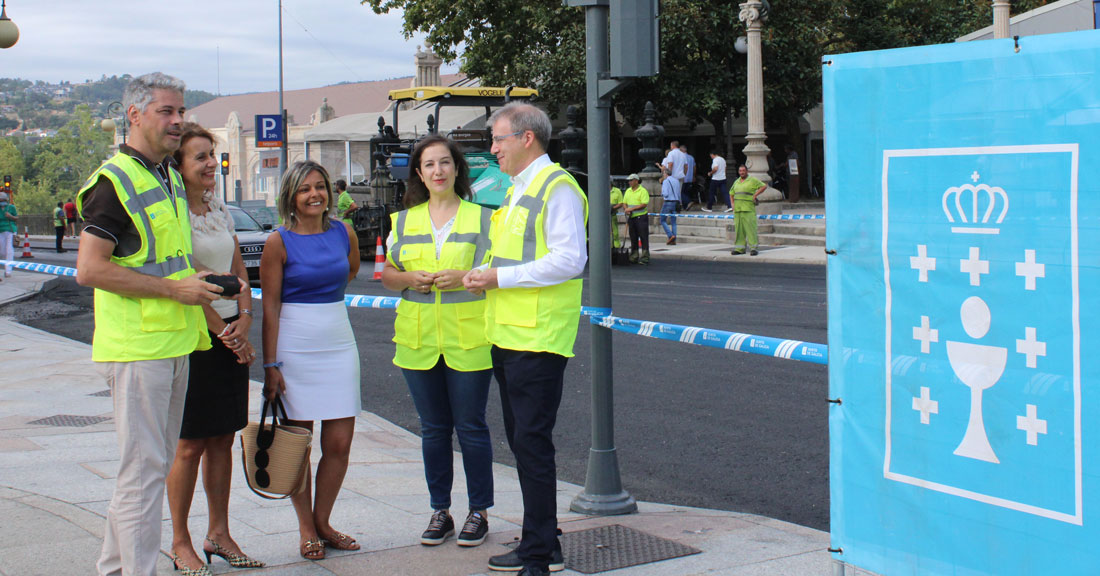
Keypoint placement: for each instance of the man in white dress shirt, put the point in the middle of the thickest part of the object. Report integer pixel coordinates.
(533, 293)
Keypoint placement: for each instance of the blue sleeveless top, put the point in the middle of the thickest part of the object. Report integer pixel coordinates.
(316, 269)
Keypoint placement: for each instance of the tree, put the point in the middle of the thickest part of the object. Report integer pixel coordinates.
(540, 43)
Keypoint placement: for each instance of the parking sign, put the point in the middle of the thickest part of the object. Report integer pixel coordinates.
(269, 130)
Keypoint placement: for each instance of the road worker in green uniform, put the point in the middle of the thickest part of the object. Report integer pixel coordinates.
(744, 193)
(345, 205)
(636, 206)
(616, 205)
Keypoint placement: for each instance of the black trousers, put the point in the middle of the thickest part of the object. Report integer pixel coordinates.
(530, 393)
(59, 231)
(638, 227)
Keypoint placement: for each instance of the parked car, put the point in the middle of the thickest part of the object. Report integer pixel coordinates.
(251, 235)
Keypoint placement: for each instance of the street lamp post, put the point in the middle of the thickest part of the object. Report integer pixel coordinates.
(9, 32)
(109, 125)
(756, 152)
(1001, 13)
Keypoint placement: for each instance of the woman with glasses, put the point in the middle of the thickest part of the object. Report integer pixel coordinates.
(440, 331)
(310, 355)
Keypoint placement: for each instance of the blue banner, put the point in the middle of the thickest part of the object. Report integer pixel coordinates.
(967, 180)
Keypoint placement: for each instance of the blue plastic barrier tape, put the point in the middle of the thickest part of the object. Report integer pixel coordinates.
(730, 216)
(736, 341)
(43, 268)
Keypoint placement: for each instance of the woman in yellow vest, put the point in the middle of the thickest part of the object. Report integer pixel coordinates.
(440, 330)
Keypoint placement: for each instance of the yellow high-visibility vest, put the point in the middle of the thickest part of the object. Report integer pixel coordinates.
(450, 323)
(131, 329)
(534, 319)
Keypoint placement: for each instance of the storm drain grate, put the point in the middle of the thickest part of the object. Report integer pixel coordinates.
(616, 546)
(69, 420)
(101, 393)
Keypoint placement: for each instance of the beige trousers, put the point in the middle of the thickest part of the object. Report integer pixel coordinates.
(149, 397)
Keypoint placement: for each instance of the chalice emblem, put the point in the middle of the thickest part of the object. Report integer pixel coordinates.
(979, 367)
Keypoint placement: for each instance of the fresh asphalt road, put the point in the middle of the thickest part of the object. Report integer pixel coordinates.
(693, 426)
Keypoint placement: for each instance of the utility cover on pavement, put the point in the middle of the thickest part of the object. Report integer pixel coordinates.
(69, 420)
(616, 546)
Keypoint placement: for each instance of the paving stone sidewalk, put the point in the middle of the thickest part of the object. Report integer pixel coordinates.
(56, 478)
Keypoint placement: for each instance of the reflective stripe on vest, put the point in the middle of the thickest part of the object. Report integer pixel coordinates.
(137, 203)
(480, 241)
(445, 297)
(534, 205)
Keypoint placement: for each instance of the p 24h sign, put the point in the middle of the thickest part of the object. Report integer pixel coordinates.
(269, 130)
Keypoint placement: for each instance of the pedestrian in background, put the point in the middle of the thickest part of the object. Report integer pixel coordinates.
(9, 218)
(670, 195)
(616, 205)
(70, 215)
(440, 331)
(636, 206)
(687, 193)
(310, 356)
(147, 315)
(59, 226)
(717, 186)
(217, 383)
(345, 205)
(744, 193)
(533, 287)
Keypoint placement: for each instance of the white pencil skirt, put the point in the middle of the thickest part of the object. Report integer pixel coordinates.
(320, 361)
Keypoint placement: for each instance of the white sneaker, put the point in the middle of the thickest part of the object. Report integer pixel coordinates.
(707, 210)
(728, 210)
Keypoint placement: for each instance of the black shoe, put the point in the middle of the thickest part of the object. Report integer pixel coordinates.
(510, 562)
(753, 253)
(737, 252)
(439, 529)
(532, 571)
(474, 530)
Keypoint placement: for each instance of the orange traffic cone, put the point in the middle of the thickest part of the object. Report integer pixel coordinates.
(379, 260)
(27, 243)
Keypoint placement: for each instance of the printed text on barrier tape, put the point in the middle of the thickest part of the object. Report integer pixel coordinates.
(737, 341)
(731, 216)
(763, 345)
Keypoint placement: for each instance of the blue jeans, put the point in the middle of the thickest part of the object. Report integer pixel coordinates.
(669, 208)
(448, 400)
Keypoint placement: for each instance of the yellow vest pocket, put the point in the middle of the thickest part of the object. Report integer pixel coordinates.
(517, 306)
(162, 315)
(471, 325)
(406, 328)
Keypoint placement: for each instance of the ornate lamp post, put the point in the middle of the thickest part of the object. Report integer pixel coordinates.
(752, 14)
(110, 125)
(1001, 12)
(9, 32)
(572, 138)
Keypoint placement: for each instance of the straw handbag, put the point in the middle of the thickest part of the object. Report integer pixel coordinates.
(276, 455)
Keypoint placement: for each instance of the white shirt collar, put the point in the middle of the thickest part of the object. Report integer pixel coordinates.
(524, 178)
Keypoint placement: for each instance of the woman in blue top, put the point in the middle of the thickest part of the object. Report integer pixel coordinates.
(310, 356)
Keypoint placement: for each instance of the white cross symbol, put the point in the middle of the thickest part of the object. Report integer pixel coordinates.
(922, 262)
(926, 405)
(1030, 269)
(975, 177)
(974, 266)
(1031, 347)
(1030, 424)
(925, 334)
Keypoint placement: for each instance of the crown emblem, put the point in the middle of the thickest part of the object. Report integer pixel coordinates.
(981, 201)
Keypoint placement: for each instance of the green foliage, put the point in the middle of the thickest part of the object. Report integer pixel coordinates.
(54, 168)
(540, 43)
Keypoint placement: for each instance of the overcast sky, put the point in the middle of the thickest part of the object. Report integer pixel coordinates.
(324, 42)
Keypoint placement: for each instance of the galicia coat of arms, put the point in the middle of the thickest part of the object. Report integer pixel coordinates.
(983, 376)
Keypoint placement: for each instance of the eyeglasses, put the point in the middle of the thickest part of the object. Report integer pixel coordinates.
(499, 139)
